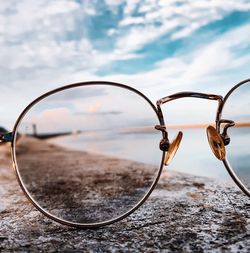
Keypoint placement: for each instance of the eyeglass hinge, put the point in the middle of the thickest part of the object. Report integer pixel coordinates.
(224, 135)
(164, 143)
(6, 137)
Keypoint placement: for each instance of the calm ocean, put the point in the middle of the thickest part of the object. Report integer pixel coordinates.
(194, 155)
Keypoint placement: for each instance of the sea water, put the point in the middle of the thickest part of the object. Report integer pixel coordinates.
(194, 155)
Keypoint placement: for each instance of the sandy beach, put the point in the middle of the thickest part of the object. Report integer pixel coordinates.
(185, 213)
(79, 186)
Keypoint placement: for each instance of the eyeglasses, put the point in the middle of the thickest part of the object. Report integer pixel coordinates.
(89, 154)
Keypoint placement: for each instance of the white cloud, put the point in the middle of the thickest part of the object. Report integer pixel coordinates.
(221, 55)
(136, 38)
(44, 18)
(38, 39)
(37, 56)
(48, 54)
(114, 2)
(167, 17)
(131, 6)
(203, 66)
(210, 59)
(132, 21)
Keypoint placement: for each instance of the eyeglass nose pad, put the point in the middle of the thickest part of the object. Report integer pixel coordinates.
(173, 147)
(216, 143)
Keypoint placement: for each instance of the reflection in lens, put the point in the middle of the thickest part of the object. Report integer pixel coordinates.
(237, 108)
(89, 154)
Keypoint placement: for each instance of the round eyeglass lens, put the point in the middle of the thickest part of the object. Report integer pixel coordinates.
(237, 108)
(88, 154)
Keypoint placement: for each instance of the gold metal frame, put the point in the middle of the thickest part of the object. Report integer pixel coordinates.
(15, 165)
(168, 149)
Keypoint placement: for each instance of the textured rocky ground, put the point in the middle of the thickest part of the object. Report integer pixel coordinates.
(184, 214)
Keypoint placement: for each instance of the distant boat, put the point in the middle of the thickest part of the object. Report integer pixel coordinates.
(43, 136)
(49, 135)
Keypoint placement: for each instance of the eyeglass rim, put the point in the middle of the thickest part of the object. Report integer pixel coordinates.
(225, 161)
(161, 121)
(26, 192)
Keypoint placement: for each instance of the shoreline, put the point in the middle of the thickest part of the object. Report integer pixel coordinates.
(49, 144)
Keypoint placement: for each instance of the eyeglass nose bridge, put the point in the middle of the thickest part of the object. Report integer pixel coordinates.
(171, 148)
(190, 94)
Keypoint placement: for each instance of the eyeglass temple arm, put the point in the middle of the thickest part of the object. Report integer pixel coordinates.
(6, 137)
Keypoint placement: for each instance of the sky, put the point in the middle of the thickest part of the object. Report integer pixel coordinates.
(159, 47)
